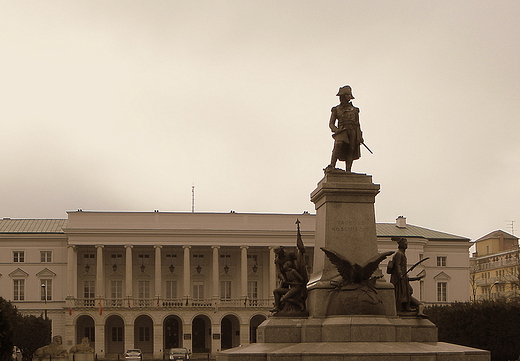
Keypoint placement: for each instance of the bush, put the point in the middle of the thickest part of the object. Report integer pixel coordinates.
(488, 325)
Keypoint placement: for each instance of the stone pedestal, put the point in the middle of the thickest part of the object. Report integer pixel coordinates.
(345, 222)
(81, 356)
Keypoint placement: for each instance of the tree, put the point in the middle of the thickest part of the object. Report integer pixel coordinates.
(25, 331)
(7, 314)
(39, 330)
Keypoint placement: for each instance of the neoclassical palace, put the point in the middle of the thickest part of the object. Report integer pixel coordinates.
(204, 281)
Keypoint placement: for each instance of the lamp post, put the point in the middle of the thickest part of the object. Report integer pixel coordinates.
(44, 289)
(491, 288)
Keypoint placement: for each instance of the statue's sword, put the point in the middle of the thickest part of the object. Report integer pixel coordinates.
(367, 148)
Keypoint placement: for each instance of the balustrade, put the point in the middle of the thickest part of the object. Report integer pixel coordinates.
(164, 303)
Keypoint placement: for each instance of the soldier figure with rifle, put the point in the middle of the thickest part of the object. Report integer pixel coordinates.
(405, 302)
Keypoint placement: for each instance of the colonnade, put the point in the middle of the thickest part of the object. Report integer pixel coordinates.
(100, 276)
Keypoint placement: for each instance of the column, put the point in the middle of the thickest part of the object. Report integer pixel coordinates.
(186, 268)
(100, 277)
(272, 272)
(72, 271)
(158, 271)
(129, 334)
(216, 274)
(216, 343)
(99, 345)
(243, 271)
(128, 271)
(158, 335)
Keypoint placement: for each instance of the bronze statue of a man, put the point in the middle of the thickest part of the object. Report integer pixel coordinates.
(405, 302)
(347, 133)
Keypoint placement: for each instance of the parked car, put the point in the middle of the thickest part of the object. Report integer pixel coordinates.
(133, 355)
(178, 354)
(17, 354)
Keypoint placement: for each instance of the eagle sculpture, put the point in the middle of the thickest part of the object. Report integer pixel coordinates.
(354, 273)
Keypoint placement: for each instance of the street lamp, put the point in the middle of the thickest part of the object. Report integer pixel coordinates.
(491, 288)
(44, 289)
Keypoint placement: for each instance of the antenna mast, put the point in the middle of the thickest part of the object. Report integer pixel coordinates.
(193, 198)
(512, 225)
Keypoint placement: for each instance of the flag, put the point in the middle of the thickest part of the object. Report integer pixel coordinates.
(70, 311)
(299, 241)
(100, 307)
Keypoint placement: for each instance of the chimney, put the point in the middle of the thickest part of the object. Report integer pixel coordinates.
(400, 222)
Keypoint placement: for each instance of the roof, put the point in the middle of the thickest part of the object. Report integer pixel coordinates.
(496, 234)
(391, 230)
(8, 225)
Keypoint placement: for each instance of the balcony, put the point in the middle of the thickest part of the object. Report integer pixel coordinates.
(170, 304)
(502, 263)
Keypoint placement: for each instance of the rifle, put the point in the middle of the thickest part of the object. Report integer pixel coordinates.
(416, 264)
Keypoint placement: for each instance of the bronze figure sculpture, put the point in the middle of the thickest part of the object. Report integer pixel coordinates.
(347, 133)
(291, 295)
(405, 302)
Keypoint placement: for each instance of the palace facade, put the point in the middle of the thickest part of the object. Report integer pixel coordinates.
(204, 281)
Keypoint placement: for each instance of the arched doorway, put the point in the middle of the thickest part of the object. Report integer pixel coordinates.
(201, 332)
(253, 326)
(85, 328)
(230, 332)
(172, 332)
(114, 335)
(143, 333)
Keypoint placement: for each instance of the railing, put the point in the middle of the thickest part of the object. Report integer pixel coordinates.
(496, 264)
(165, 303)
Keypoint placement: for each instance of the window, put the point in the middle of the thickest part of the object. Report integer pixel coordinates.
(225, 290)
(144, 333)
(198, 260)
(18, 256)
(46, 290)
(252, 289)
(171, 259)
(89, 258)
(117, 333)
(116, 289)
(90, 333)
(19, 290)
(144, 289)
(442, 288)
(441, 261)
(171, 289)
(225, 259)
(144, 258)
(89, 289)
(45, 256)
(252, 259)
(116, 258)
(198, 290)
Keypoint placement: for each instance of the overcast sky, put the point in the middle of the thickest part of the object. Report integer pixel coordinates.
(124, 105)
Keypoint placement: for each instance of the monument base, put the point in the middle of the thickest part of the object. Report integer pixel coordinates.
(350, 338)
(354, 351)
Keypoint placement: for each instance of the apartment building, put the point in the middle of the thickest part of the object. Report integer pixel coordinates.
(495, 267)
